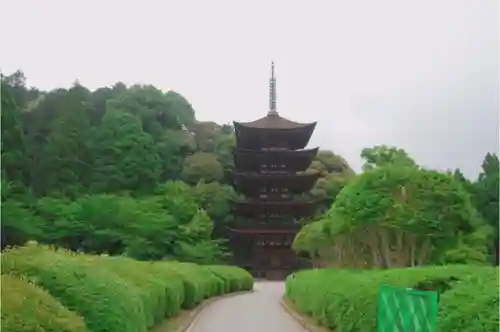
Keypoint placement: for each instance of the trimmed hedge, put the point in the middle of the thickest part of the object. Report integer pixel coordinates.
(27, 308)
(105, 300)
(345, 300)
(233, 279)
(117, 293)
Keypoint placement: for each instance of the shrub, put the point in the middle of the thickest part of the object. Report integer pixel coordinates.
(106, 301)
(471, 304)
(27, 308)
(151, 288)
(192, 284)
(108, 293)
(347, 300)
(208, 282)
(173, 283)
(235, 279)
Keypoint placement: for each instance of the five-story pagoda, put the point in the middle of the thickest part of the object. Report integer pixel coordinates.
(270, 159)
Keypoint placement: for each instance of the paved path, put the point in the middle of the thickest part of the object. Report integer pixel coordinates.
(259, 311)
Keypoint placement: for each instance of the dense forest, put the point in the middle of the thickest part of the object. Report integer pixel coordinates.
(121, 170)
(129, 170)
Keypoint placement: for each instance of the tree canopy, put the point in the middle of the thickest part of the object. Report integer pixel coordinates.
(120, 170)
(130, 170)
(399, 214)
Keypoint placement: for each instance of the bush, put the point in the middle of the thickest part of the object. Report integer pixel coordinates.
(192, 283)
(152, 288)
(27, 308)
(113, 293)
(207, 281)
(106, 301)
(347, 300)
(234, 279)
(471, 304)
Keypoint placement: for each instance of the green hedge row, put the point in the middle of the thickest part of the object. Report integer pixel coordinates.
(49, 290)
(345, 300)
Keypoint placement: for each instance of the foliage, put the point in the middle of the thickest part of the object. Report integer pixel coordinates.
(76, 141)
(314, 240)
(233, 279)
(202, 165)
(125, 163)
(88, 170)
(346, 300)
(383, 155)
(102, 298)
(109, 293)
(335, 174)
(18, 223)
(487, 198)
(420, 213)
(28, 308)
(168, 224)
(398, 214)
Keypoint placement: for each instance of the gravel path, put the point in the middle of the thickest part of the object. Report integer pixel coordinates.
(259, 311)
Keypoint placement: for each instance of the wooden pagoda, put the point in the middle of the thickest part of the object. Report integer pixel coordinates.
(269, 160)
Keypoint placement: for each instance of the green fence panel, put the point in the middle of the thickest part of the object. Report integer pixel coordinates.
(407, 310)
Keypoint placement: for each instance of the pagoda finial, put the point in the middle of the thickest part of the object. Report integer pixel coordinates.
(272, 93)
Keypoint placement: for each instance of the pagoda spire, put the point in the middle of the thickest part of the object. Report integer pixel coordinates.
(272, 93)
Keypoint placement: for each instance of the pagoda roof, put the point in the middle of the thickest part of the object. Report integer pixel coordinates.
(251, 160)
(273, 130)
(295, 208)
(251, 183)
(278, 152)
(274, 121)
(273, 133)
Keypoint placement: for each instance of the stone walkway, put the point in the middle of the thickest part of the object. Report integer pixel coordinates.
(259, 311)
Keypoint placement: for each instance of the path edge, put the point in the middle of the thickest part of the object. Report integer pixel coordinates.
(194, 314)
(303, 320)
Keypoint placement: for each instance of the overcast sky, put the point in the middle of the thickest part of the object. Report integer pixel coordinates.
(421, 75)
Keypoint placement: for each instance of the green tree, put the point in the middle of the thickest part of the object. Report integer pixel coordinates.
(335, 174)
(156, 111)
(172, 148)
(181, 108)
(214, 198)
(402, 216)
(382, 155)
(486, 198)
(124, 155)
(202, 166)
(67, 158)
(101, 96)
(14, 159)
(19, 224)
(314, 240)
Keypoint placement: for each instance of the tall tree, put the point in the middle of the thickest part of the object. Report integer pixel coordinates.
(14, 161)
(67, 158)
(124, 157)
(487, 197)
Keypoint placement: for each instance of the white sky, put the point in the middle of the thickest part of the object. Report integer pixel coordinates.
(422, 75)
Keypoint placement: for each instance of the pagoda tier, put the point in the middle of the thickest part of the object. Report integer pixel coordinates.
(255, 184)
(273, 131)
(283, 160)
(297, 209)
